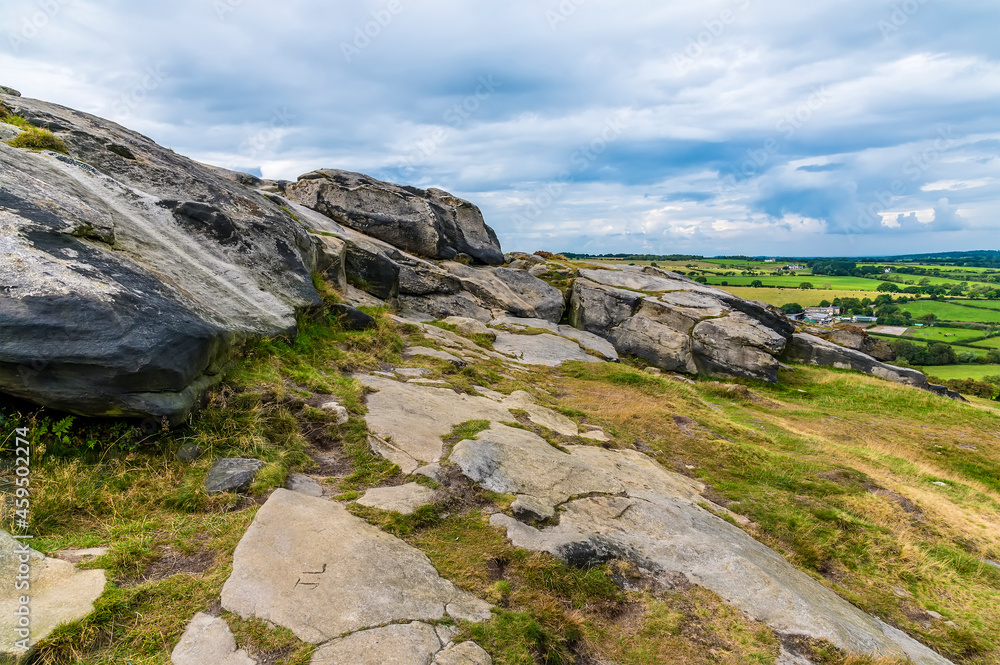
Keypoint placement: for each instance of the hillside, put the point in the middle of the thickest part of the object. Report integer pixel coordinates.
(331, 422)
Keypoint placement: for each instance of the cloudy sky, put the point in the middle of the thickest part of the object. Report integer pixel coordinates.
(845, 127)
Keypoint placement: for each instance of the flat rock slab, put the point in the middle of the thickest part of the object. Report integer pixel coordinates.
(312, 567)
(303, 484)
(426, 352)
(466, 653)
(59, 594)
(588, 341)
(403, 499)
(407, 420)
(638, 510)
(207, 640)
(231, 474)
(544, 349)
(413, 643)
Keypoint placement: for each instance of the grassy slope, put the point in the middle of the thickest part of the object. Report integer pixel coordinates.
(835, 470)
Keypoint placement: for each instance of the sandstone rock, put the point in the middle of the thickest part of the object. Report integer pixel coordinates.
(197, 262)
(466, 653)
(429, 223)
(859, 340)
(635, 510)
(59, 594)
(736, 345)
(426, 352)
(597, 308)
(467, 326)
(548, 350)
(413, 643)
(351, 318)
(520, 264)
(440, 306)
(403, 499)
(588, 341)
(303, 484)
(189, 452)
(655, 342)
(371, 269)
(9, 91)
(809, 349)
(207, 640)
(420, 278)
(540, 415)
(312, 567)
(341, 414)
(408, 421)
(232, 474)
(333, 260)
(512, 291)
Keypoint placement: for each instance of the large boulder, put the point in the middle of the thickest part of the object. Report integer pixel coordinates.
(430, 223)
(679, 325)
(512, 291)
(857, 339)
(812, 350)
(129, 272)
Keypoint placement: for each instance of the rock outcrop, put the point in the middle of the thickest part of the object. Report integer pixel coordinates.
(812, 350)
(430, 223)
(633, 509)
(857, 339)
(126, 280)
(679, 325)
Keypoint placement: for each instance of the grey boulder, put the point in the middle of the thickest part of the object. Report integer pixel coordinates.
(231, 474)
(811, 350)
(430, 223)
(512, 291)
(863, 342)
(207, 640)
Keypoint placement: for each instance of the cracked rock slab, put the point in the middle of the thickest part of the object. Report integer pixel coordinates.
(413, 643)
(403, 499)
(310, 566)
(544, 349)
(621, 504)
(207, 640)
(60, 593)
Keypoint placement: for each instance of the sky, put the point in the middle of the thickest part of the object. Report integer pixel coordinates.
(720, 127)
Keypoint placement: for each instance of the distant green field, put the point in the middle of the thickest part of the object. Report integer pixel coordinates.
(943, 334)
(991, 343)
(947, 311)
(989, 304)
(945, 372)
(779, 297)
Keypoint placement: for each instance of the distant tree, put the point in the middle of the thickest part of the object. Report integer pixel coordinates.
(756, 284)
(940, 353)
(805, 285)
(701, 279)
(654, 265)
(887, 287)
(792, 308)
(725, 283)
(824, 303)
(929, 318)
(993, 358)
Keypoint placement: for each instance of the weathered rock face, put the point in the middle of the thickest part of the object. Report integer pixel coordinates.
(859, 340)
(679, 325)
(127, 279)
(812, 350)
(633, 509)
(512, 291)
(429, 223)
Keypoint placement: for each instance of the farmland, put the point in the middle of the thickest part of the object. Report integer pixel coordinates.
(944, 334)
(947, 311)
(779, 297)
(946, 372)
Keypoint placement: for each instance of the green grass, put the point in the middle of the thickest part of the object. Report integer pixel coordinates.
(991, 343)
(943, 334)
(946, 372)
(806, 298)
(948, 311)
